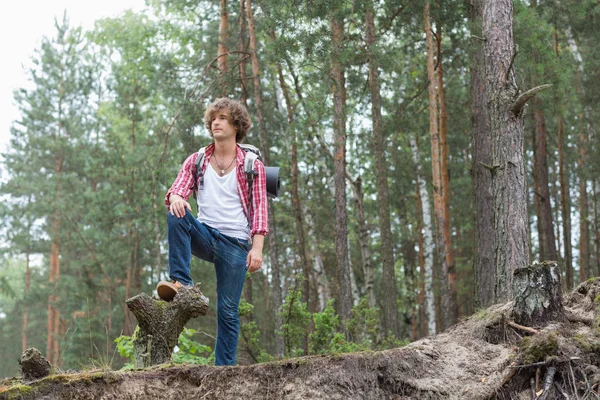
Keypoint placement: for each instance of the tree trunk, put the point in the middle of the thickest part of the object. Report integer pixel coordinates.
(427, 249)
(438, 189)
(258, 97)
(242, 48)
(541, 188)
(25, 325)
(363, 239)
(160, 324)
(596, 270)
(53, 299)
(584, 229)
(565, 205)
(222, 50)
(508, 168)
(481, 148)
(556, 216)
(537, 294)
(339, 133)
(389, 293)
(451, 306)
(302, 249)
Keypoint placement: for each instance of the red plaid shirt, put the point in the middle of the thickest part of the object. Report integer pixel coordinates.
(184, 186)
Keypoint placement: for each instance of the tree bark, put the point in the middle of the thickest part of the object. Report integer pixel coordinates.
(302, 249)
(584, 229)
(565, 205)
(364, 239)
(427, 249)
(222, 47)
(438, 185)
(389, 294)
(53, 323)
(160, 324)
(258, 97)
(241, 49)
(481, 148)
(537, 294)
(596, 271)
(508, 168)
(541, 190)
(25, 326)
(339, 133)
(451, 306)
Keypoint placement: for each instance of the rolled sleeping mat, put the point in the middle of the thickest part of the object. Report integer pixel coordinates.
(273, 183)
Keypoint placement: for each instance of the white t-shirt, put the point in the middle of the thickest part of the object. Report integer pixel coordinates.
(220, 206)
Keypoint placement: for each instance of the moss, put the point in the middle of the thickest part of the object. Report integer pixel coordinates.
(18, 391)
(583, 342)
(539, 347)
(480, 315)
(597, 301)
(592, 280)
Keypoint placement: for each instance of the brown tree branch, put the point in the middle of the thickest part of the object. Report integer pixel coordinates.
(519, 103)
(523, 328)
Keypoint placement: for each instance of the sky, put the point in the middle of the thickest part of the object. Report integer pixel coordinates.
(23, 23)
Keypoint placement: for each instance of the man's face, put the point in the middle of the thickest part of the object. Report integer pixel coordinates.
(221, 128)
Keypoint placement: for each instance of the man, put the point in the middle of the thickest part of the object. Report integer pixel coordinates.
(229, 231)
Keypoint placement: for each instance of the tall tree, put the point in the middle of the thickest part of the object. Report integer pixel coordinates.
(541, 189)
(389, 277)
(339, 133)
(542, 204)
(440, 178)
(222, 51)
(426, 247)
(506, 123)
(481, 146)
(258, 96)
(45, 139)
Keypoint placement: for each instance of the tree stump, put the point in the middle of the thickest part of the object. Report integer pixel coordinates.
(160, 323)
(34, 365)
(537, 294)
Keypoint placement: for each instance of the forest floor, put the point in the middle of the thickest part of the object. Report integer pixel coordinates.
(486, 356)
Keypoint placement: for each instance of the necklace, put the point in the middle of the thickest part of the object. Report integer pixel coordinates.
(221, 169)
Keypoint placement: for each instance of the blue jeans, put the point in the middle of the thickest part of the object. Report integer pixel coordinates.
(188, 236)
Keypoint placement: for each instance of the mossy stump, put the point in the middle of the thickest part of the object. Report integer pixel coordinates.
(537, 294)
(34, 365)
(160, 323)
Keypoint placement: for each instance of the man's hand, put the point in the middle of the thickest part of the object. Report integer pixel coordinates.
(254, 260)
(178, 206)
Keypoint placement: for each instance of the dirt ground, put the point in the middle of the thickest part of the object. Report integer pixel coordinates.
(486, 356)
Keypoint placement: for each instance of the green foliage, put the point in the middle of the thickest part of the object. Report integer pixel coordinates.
(363, 328)
(364, 324)
(251, 334)
(295, 322)
(125, 349)
(110, 114)
(326, 324)
(188, 351)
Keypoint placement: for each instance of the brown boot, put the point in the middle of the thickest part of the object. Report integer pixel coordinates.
(167, 290)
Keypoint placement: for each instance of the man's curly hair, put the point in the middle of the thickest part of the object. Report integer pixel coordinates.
(238, 116)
